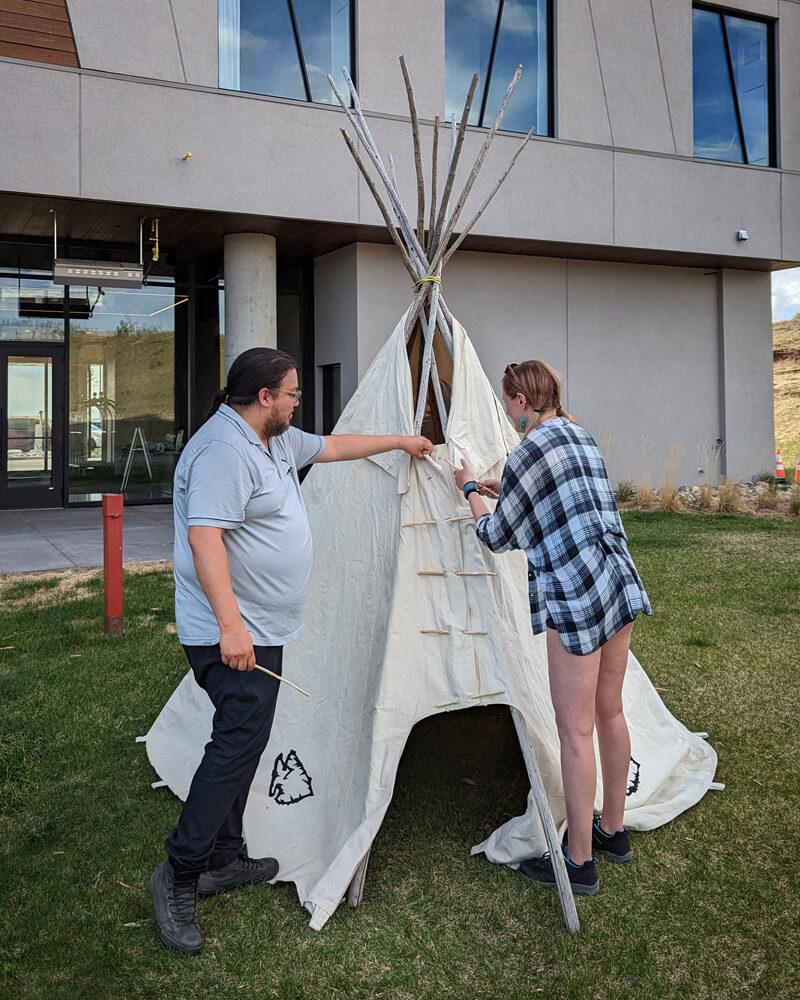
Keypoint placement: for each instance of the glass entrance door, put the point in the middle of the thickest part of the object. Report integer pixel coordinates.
(31, 426)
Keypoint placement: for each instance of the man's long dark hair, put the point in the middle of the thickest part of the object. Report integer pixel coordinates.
(253, 370)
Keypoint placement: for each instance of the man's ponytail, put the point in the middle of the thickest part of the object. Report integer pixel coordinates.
(219, 398)
(253, 370)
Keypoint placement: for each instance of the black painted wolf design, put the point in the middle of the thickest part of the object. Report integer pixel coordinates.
(633, 777)
(290, 781)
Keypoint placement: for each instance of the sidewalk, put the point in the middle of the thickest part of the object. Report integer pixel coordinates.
(35, 540)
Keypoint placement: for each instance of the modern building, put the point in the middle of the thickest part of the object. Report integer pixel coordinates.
(199, 139)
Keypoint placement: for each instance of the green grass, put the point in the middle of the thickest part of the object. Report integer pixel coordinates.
(707, 909)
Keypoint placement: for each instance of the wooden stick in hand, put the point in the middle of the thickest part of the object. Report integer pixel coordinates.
(279, 678)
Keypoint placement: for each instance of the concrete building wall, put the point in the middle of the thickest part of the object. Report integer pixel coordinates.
(643, 358)
(747, 346)
(646, 364)
(620, 173)
(139, 38)
(385, 30)
(336, 283)
(789, 84)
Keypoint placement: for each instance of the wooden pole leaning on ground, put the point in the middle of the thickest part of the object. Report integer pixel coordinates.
(424, 255)
(112, 562)
(546, 817)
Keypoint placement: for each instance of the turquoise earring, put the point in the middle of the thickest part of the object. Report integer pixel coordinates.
(522, 422)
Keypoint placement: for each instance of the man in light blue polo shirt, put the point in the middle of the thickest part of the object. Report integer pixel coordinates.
(242, 564)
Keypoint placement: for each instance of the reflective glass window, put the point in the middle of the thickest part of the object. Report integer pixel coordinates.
(731, 83)
(29, 421)
(491, 38)
(31, 309)
(284, 48)
(749, 57)
(124, 433)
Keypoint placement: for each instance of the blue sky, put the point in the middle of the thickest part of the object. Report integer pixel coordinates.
(785, 294)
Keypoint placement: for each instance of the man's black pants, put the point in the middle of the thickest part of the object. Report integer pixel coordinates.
(209, 831)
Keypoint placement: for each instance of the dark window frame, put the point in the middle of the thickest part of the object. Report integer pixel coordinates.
(772, 82)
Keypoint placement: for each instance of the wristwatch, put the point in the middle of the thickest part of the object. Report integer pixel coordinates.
(470, 487)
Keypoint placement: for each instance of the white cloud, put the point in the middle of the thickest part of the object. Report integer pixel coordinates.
(785, 294)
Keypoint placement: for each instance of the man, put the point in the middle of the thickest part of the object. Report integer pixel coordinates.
(242, 563)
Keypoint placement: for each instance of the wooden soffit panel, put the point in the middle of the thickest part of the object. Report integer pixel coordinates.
(37, 30)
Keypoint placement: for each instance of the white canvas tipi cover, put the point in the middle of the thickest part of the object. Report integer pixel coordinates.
(408, 615)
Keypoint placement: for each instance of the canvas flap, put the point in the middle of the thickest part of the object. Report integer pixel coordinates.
(382, 402)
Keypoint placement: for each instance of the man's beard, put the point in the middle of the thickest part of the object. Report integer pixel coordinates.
(274, 426)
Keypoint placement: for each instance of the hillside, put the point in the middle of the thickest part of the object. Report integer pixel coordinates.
(786, 355)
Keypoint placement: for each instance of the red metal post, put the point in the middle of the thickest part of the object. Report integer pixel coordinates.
(112, 561)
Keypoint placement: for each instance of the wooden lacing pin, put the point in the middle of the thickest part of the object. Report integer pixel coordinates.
(446, 704)
(460, 517)
(416, 524)
(434, 631)
(431, 572)
(484, 694)
(480, 573)
(468, 631)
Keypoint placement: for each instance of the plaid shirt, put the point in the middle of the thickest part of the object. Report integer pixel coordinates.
(556, 503)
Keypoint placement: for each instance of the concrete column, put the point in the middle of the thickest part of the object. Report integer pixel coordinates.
(251, 301)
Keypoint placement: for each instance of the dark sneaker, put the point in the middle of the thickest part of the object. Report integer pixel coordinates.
(176, 911)
(241, 871)
(614, 846)
(583, 878)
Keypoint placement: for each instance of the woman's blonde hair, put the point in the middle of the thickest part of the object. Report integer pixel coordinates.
(538, 383)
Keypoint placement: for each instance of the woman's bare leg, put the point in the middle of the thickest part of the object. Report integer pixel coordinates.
(573, 685)
(612, 730)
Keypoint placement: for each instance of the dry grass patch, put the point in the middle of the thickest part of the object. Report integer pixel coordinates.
(669, 498)
(730, 498)
(644, 492)
(705, 499)
(767, 499)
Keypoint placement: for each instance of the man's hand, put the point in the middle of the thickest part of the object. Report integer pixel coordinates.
(463, 475)
(489, 488)
(236, 648)
(417, 447)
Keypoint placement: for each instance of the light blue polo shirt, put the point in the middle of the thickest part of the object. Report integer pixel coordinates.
(227, 478)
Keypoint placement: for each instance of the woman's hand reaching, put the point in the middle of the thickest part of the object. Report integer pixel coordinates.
(463, 475)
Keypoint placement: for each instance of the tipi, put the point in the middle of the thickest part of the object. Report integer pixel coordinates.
(408, 616)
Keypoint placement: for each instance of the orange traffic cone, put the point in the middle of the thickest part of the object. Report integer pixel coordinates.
(797, 469)
(780, 474)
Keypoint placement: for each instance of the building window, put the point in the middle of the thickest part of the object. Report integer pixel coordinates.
(492, 38)
(733, 87)
(285, 48)
(124, 433)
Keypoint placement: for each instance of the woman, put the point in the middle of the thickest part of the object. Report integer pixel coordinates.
(556, 503)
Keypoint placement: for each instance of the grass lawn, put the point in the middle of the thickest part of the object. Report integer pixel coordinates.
(707, 909)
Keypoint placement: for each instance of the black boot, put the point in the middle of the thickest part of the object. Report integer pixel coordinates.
(175, 904)
(241, 871)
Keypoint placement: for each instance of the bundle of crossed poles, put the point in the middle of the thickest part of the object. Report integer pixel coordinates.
(425, 251)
